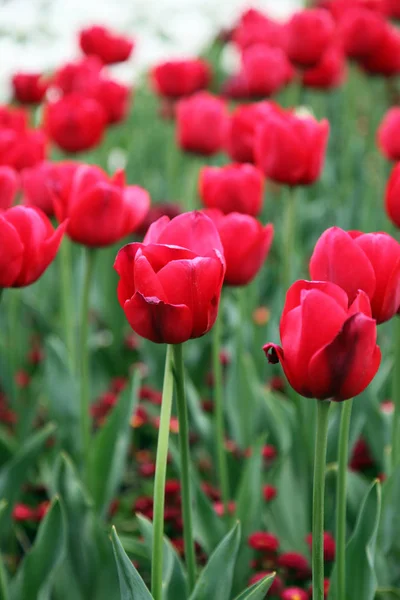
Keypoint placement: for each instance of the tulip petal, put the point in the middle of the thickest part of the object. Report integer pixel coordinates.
(344, 367)
(137, 200)
(11, 253)
(194, 231)
(124, 265)
(157, 321)
(147, 282)
(294, 293)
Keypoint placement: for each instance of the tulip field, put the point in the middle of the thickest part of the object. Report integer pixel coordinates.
(199, 330)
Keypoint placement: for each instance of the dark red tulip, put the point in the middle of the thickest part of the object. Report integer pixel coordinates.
(242, 129)
(329, 73)
(177, 78)
(328, 348)
(22, 149)
(75, 122)
(389, 134)
(113, 97)
(385, 60)
(202, 122)
(291, 149)
(310, 33)
(265, 70)
(361, 31)
(78, 76)
(40, 183)
(232, 188)
(9, 184)
(29, 88)
(256, 28)
(28, 245)
(101, 210)
(355, 261)
(246, 243)
(170, 285)
(110, 47)
(263, 541)
(392, 200)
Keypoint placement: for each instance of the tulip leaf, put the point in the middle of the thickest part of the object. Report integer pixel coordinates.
(258, 590)
(14, 472)
(35, 576)
(174, 577)
(361, 580)
(110, 447)
(216, 579)
(132, 586)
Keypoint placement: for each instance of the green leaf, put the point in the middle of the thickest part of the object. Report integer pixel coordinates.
(4, 595)
(258, 590)
(216, 579)
(14, 472)
(361, 581)
(34, 577)
(110, 447)
(132, 586)
(174, 577)
(63, 397)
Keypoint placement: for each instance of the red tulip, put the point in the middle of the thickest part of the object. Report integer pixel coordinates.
(339, 8)
(265, 70)
(101, 210)
(113, 97)
(170, 285)
(242, 129)
(78, 76)
(75, 122)
(310, 33)
(28, 245)
(361, 32)
(29, 88)
(13, 118)
(9, 184)
(40, 183)
(291, 149)
(389, 134)
(108, 46)
(355, 261)
(232, 188)
(296, 564)
(385, 60)
(263, 541)
(328, 348)
(294, 593)
(22, 149)
(329, 73)
(329, 546)
(202, 122)
(392, 8)
(256, 28)
(392, 200)
(246, 244)
(177, 78)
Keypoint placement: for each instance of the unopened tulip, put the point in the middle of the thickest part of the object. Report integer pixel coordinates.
(170, 285)
(109, 47)
(361, 32)
(328, 348)
(265, 70)
(29, 88)
(385, 60)
(310, 33)
(329, 73)
(177, 78)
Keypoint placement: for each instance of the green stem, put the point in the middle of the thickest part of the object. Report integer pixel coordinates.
(288, 238)
(66, 301)
(396, 395)
(89, 256)
(318, 500)
(159, 479)
(185, 466)
(219, 416)
(13, 335)
(341, 498)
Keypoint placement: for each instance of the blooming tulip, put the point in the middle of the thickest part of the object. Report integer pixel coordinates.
(75, 122)
(356, 261)
(28, 245)
(40, 183)
(232, 188)
(389, 134)
(100, 210)
(202, 121)
(328, 348)
(170, 285)
(310, 33)
(8, 187)
(177, 78)
(246, 244)
(29, 88)
(265, 70)
(108, 46)
(291, 149)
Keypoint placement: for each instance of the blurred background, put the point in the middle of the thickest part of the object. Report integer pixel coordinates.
(41, 34)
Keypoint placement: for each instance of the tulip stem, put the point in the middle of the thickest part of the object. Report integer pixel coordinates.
(66, 301)
(341, 498)
(396, 396)
(160, 476)
(185, 466)
(288, 237)
(219, 416)
(89, 256)
(318, 500)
